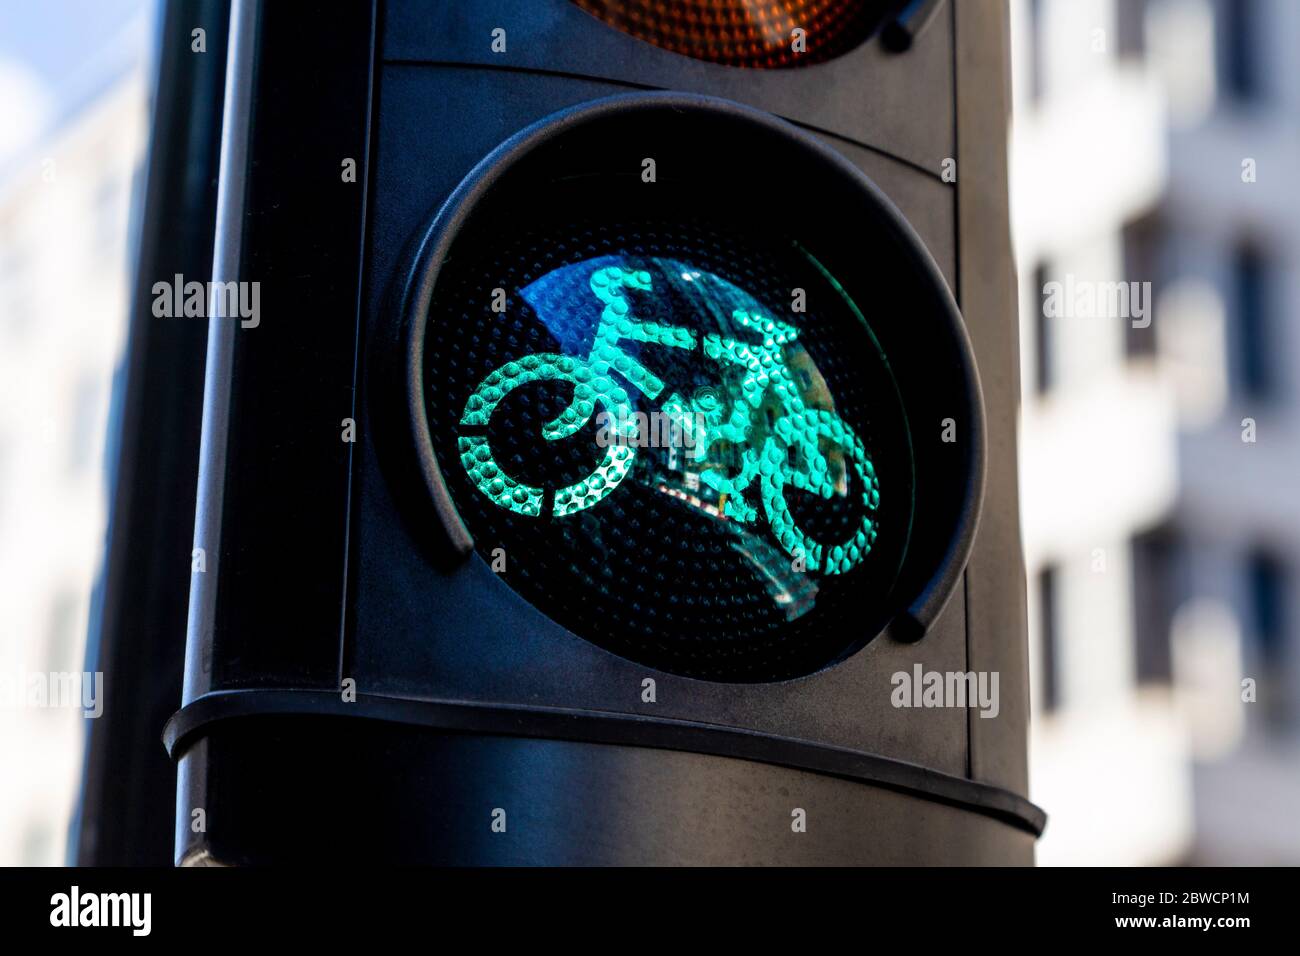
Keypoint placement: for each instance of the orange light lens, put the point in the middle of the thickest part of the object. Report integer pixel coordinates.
(759, 34)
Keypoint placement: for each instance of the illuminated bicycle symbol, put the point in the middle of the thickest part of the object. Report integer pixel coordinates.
(792, 450)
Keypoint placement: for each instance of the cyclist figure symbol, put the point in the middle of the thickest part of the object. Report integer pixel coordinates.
(788, 453)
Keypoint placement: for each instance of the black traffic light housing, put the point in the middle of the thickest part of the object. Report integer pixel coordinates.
(358, 673)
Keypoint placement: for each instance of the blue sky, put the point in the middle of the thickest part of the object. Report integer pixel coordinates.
(56, 56)
(57, 39)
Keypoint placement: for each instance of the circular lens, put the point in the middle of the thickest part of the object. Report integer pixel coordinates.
(685, 440)
(696, 427)
(760, 34)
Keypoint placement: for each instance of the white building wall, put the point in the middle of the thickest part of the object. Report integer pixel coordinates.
(64, 288)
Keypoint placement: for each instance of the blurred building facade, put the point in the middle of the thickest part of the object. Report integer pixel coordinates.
(1158, 448)
(65, 203)
(1109, 756)
(1229, 234)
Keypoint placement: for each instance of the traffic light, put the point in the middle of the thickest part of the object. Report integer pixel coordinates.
(608, 477)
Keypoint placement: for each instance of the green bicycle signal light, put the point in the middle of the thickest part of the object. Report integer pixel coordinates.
(687, 419)
(804, 448)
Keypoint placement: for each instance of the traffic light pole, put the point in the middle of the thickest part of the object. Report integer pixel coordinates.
(995, 582)
(395, 650)
(140, 604)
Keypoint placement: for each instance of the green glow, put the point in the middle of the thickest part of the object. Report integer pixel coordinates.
(780, 439)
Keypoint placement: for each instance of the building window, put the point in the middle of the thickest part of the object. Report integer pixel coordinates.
(38, 848)
(85, 435)
(1266, 582)
(1239, 30)
(1044, 372)
(63, 642)
(16, 267)
(1254, 332)
(1037, 38)
(1154, 554)
(1143, 239)
(108, 216)
(1049, 637)
(1267, 590)
(1131, 27)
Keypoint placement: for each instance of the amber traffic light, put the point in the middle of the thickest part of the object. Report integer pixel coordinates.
(758, 34)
